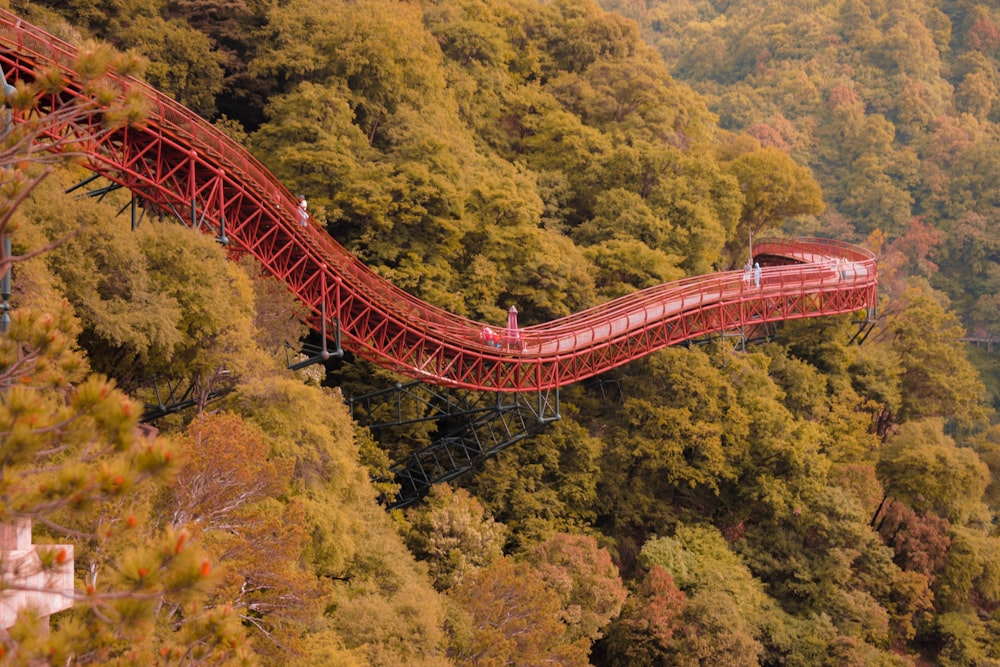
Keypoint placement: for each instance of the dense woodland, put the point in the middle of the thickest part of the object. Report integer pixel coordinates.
(802, 502)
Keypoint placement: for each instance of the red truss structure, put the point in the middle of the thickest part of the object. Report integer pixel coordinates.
(177, 162)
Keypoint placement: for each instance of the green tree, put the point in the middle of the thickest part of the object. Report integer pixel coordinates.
(138, 319)
(774, 188)
(937, 380)
(714, 633)
(313, 145)
(667, 447)
(924, 468)
(700, 562)
(963, 639)
(825, 559)
(549, 486)
(378, 49)
(451, 533)
(75, 464)
(233, 29)
(182, 60)
(380, 606)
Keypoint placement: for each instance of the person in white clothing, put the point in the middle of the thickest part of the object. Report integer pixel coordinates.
(303, 213)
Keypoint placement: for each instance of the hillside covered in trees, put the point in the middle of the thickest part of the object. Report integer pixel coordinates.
(807, 501)
(893, 107)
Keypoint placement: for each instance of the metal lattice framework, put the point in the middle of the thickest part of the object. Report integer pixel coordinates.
(471, 428)
(176, 162)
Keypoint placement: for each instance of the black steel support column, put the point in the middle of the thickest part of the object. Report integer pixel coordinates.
(473, 427)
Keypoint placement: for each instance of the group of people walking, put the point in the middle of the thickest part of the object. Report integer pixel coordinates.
(510, 338)
(751, 272)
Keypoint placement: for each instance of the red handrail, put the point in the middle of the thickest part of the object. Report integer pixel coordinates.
(176, 161)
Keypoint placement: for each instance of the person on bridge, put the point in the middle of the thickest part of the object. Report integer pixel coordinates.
(303, 211)
(756, 274)
(489, 337)
(747, 273)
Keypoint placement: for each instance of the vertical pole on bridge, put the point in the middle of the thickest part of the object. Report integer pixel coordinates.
(7, 113)
(337, 351)
(5, 258)
(337, 304)
(5, 254)
(322, 310)
(221, 238)
(545, 402)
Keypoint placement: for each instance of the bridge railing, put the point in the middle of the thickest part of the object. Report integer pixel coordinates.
(391, 326)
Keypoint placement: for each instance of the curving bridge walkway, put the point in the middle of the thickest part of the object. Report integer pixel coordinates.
(177, 162)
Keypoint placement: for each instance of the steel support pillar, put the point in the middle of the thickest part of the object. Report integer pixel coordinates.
(475, 426)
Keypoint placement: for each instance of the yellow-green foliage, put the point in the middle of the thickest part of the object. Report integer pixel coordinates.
(170, 298)
(482, 154)
(380, 604)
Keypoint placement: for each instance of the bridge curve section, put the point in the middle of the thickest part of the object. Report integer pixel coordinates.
(176, 162)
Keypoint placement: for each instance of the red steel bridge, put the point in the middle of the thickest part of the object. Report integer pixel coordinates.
(177, 163)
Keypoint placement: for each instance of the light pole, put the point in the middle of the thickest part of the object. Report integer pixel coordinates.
(5, 256)
(5, 285)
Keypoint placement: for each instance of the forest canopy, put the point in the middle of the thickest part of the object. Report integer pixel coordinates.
(805, 501)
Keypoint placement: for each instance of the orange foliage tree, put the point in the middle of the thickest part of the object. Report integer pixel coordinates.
(514, 618)
(226, 490)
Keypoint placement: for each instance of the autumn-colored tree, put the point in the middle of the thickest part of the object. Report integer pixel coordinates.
(279, 318)
(75, 464)
(920, 541)
(225, 467)
(226, 492)
(512, 616)
(921, 547)
(649, 621)
(585, 579)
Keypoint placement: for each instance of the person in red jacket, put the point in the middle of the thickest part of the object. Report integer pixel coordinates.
(489, 337)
